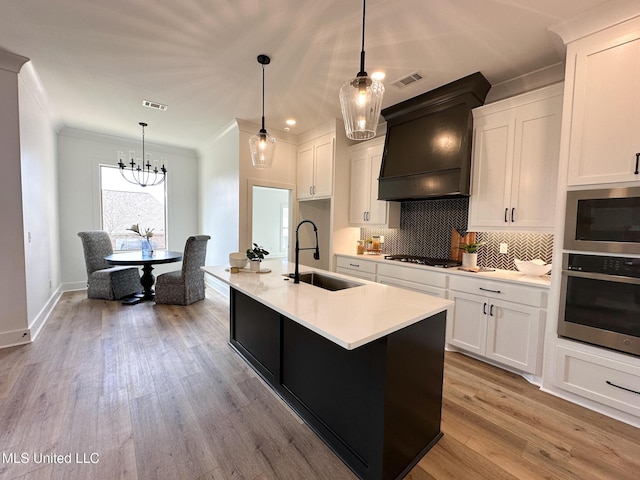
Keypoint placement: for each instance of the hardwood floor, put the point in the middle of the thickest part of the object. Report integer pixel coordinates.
(154, 392)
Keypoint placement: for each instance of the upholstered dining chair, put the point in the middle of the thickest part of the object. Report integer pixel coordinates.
(186, 286)
(103, 280)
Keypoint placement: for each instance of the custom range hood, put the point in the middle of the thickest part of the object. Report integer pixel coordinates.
(427, 150)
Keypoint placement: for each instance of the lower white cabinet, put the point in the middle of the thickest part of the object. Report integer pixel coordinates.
(416, 279)
(356, 268)
(604, 380)
(486, 322)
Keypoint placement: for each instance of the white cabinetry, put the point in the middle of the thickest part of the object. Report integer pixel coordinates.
(356, 268)
(604, 69)
(515, 162)
(365, 210)
(499, 321)
(604, 380)
(416, 279)
(315, 168)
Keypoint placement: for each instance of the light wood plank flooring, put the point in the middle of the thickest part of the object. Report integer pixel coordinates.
(156, 393)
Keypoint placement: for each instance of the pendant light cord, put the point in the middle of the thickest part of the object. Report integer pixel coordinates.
(362, 73)
(263, 129)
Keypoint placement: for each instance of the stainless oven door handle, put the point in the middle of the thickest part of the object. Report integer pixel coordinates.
(601, 276)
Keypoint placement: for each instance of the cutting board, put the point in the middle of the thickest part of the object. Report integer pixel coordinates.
(457, 240)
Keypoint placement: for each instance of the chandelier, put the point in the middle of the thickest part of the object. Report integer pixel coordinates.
(142, 171)
(262, 145)
(361, 100)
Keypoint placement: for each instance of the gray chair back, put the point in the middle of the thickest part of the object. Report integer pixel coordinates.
(97, 245)
(195, 252)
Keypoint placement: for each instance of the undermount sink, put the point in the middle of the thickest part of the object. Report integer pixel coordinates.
(325, 281)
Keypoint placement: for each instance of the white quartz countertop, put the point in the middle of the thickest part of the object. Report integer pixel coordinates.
(350, 318)
(496, 274)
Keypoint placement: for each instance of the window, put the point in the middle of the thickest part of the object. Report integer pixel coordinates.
(125, 204)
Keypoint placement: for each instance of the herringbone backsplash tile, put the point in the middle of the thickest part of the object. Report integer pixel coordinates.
(425, 229)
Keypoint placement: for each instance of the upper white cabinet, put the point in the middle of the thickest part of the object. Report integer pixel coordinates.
(516, 149)
(315, 168)
(365, 210)
(605, 116)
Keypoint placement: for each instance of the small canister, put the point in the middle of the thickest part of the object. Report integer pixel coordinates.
(360, 247)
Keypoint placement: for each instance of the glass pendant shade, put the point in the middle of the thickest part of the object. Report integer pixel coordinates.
(263, 147)
(361, 99)
(360, 102)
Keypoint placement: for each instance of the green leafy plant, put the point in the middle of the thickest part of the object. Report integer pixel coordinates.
(471, 247)
(148, 233)
(256, 253)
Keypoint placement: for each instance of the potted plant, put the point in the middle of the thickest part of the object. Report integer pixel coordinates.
(470, 255)
(256, 255)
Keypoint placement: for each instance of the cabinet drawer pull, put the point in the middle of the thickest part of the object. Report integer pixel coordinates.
(357, 265)
(364, 216)
(491, 310)
(505, 215)
(489, 290)
(637, 161)
(512, 212)
(621, 388)
(310, 190)
(484, 308)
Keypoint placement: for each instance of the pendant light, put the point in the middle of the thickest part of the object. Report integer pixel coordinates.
(262, 145)
(361, 100)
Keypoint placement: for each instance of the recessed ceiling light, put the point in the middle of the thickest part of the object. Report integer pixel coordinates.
(379, 75)
(291, 122)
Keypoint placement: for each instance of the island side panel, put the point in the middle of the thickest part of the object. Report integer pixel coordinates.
(339, 393)
(413, 394)
(255, 333)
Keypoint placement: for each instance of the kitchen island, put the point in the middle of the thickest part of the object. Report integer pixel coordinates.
(362, 366)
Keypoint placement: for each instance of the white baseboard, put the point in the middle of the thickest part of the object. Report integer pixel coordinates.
(73, 286)
(42, 317)
(28, 335)
(15, 337)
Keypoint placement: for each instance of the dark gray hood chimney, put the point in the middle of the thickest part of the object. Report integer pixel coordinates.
(427, 150)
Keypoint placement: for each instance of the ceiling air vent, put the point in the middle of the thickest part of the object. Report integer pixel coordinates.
(156, 105)
(408, 80)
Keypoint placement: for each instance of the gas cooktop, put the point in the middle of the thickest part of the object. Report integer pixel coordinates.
(431, 262)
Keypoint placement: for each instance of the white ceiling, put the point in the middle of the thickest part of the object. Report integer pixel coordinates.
(98, 59)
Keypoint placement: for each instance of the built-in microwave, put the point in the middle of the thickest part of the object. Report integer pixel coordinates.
(603, 220)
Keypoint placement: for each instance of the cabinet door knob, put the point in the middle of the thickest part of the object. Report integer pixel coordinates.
(512, 214)
(491, 310)
(637, 162)
(484, 308)
(505, 215)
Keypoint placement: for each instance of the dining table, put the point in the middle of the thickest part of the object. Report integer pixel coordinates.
(137, 257)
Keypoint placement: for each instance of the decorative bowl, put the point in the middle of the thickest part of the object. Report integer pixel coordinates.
(532, 268)
(238, 259)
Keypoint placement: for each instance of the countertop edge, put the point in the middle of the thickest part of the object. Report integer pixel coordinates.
(441, 306)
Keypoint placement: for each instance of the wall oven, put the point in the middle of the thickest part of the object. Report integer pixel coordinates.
(603, 220)
(600, 301)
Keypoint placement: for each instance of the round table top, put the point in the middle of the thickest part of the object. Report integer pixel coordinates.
(135, 257)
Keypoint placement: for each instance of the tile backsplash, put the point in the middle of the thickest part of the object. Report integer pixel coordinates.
(425, 229)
